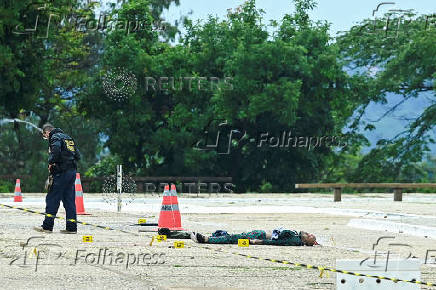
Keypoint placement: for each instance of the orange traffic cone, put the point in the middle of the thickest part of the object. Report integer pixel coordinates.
(169, 214)
(80, 208)
(18, 196)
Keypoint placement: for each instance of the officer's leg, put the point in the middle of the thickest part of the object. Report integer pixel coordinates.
(52, 201)
(69, 200)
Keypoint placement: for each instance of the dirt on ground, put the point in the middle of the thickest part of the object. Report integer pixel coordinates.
(117, 260)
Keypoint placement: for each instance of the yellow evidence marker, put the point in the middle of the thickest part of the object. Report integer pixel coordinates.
(161, 238)
(87, 239)
(179, 245)
(142, 221)
(243, 243)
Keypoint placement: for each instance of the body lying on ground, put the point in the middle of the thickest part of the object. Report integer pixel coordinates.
(279, 237)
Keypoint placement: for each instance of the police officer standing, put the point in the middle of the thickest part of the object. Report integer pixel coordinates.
(63, 157)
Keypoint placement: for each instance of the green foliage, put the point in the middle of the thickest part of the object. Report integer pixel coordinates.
(279, 81)
(266, 187)
(291, 77)
(105, 167)
(405, 63)
(40, 78)
(341, 166)
(6, 186)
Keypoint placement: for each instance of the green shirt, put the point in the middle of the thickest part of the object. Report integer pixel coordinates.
(286, 238)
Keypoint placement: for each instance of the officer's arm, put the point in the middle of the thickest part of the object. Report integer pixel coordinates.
(77, 154)
(55, 150)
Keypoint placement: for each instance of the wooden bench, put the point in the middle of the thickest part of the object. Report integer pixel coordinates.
(337, 187)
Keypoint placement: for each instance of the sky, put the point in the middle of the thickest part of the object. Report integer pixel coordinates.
(343, 14)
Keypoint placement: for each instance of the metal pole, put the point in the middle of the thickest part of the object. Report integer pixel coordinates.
(119, 185)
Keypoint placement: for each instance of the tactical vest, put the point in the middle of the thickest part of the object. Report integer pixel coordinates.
(69, 154)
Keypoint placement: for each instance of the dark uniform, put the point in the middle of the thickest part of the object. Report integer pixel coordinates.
(284, 238)
(63, 156)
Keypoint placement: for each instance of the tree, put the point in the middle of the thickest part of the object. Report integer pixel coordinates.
(289, 80)
(41, 71)
(405, 64)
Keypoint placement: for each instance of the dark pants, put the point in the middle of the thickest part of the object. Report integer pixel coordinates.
(62, 189)
(233, 239)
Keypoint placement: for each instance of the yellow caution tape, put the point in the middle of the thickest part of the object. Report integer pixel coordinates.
(70, 220)
(308, 266)
(323, 269)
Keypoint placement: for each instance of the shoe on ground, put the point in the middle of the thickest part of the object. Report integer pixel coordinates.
(200, 238)
(68, 232)
(42, 230)
(197, 237)
(164, 231)
(194, 237)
